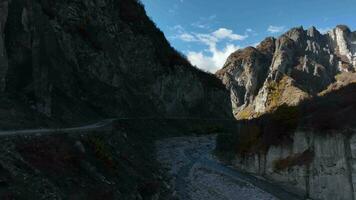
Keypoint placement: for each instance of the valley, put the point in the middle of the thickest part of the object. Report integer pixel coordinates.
(97, 103)
(198, 175)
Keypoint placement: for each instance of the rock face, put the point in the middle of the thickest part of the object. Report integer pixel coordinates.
(298, 65)
(330, 170)
(76, 59)
(309, 148)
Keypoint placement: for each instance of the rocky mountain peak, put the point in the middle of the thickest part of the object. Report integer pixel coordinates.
(343, 43)
(296, 33)
(297, 65)
(343, 28)
(267, 46)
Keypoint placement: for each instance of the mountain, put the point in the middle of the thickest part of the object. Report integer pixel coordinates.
(73, 62)
(298, 65)
(76, 60)
(296, 95)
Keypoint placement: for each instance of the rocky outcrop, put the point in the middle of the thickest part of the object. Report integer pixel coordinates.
(245, 72)
(80, 59)
(299, 64)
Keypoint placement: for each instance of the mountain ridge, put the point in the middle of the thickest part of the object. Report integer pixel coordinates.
(80, 60)
(287, 70)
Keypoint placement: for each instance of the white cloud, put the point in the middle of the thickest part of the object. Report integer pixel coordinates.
(200, 60)
(200, 25)
(223, 33)
(213, 62)
(207, 39)
(275, 29)
(211, 58)
(187, 37)
(179, 28)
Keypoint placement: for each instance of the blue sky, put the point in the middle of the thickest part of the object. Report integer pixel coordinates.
(207, 31)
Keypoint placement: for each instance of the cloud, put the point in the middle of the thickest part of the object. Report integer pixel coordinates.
(210, 39)
(223, 33)
(251, 32)
(205, 22)
(200, 25)
(275, 29)
(211, 58)
(213, 62)
(187, 37)
(179, 28)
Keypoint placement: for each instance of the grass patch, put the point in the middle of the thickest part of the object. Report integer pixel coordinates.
(276, 90)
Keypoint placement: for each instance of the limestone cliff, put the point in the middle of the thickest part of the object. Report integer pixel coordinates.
(78, 59)
(294, 67)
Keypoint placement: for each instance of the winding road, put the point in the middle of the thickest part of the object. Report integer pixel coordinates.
(197, 175)
(40, 131)
(97, 125)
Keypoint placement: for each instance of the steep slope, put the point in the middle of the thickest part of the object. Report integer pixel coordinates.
(296, 66)
(76, 60)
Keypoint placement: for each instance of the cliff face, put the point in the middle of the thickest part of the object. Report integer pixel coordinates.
(309, 148)
(298, 65)
(319, 167)
(77, 59)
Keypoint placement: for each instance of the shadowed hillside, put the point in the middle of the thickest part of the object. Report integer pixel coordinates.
(74, 61)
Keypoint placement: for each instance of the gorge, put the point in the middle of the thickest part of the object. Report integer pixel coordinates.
(96, 104)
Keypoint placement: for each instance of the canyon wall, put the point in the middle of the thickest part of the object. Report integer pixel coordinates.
(310, 149)
(320, 167)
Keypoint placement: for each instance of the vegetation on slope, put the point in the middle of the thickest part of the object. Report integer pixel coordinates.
(332, 111)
